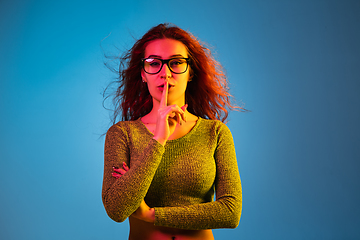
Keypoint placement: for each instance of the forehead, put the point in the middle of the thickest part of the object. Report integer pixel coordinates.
(165, 48)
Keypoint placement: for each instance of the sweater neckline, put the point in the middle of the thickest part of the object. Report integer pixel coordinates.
(193, 129)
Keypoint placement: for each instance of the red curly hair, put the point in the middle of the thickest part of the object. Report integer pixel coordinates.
(207, 93)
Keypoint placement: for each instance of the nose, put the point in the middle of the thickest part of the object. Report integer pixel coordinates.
(165, 72)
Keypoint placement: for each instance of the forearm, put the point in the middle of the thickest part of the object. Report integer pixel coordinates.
(223, 213)
(122, 196)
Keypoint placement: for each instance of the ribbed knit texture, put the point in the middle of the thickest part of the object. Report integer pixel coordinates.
(178, 180)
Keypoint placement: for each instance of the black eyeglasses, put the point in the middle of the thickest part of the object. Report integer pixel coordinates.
(176, 65)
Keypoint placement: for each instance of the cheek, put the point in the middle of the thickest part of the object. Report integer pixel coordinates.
(185, 80)
(150, 83)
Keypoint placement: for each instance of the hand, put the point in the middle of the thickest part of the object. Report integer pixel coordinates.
(168, 117)
(118, 172)
(144, 213)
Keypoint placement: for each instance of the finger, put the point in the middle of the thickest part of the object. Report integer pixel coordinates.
(125, 166)
(184, 109)
(163, 102)
(119, 170)
(174, 111)
(178, 118)
(116, 175)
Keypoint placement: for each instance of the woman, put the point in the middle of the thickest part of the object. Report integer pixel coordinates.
(164, 162)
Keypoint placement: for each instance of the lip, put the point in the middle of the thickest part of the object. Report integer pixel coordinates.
(161, 87)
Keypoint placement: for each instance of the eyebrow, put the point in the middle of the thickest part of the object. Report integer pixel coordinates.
(172, 56)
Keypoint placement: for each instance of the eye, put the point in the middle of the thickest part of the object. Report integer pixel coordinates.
(152, 62)
(176, 62)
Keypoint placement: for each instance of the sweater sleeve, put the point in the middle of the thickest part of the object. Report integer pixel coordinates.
(226, 210)
(122, 196)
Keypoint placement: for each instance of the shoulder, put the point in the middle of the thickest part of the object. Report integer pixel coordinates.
(129, 131)
(212, 129)
(125, 128)
(215, 125)
(125, 125)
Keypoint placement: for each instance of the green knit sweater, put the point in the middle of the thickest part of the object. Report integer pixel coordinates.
(178, 179)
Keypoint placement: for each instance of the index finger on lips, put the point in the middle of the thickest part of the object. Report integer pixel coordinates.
(163, 102)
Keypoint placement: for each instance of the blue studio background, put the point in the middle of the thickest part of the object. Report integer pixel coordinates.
(295, 65)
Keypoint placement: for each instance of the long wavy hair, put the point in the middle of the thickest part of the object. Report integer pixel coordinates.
(207, 94)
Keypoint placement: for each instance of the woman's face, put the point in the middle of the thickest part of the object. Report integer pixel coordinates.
(166, 49)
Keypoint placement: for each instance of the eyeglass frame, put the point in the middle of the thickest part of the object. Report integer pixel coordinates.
(163, 61)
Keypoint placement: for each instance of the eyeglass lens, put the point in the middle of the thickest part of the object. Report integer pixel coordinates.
(154, 65)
